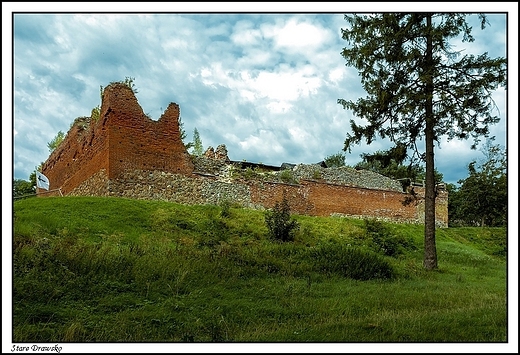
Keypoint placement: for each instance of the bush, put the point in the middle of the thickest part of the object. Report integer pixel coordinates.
(353, 263)
(249, 174)
(280, 225)
(225, 208)
(288, 177)
(384, 241)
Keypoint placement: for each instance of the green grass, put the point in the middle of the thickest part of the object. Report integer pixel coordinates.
(92, 269)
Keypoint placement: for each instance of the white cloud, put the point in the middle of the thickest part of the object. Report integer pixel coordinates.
(336, 75)
(263, 144)
(244, 34)
(279, 106)
(297, 35)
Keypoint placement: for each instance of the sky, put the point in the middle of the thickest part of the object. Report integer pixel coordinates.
(261, 78)
(264, 84)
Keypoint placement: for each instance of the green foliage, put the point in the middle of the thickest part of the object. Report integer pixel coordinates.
(280, 225)
(389, 52)
(23, 188)
(335, 160)
(225, 209)
(481, 199)
(384, 240)
(95, 113)
(198, 149)
(128, 81)
(350, 262)
(287, 176)
(188, 145)
(391, 163)
(56, 141)
(249, 173)
(32, 176)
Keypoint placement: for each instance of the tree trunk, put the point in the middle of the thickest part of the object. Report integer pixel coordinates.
(430, 249)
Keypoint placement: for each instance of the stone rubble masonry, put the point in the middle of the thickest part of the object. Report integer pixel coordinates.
(126, 154)
(219, 154)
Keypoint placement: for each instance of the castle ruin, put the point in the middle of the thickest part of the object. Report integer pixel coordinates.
(124, 153)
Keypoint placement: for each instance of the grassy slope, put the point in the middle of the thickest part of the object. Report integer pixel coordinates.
(109, 269)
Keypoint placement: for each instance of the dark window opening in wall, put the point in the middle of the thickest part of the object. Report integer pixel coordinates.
(121, 160)
(120, 142)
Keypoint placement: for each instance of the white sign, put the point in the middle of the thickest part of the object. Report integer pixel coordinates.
(42, 181)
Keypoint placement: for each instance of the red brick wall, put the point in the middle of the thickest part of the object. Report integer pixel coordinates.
(323, 199)
(83, 152)
(122, 138)
(138, 142)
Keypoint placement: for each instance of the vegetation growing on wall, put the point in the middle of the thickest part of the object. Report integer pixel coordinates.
(56, 141)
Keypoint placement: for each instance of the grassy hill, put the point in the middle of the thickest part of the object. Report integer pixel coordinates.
(92, 269)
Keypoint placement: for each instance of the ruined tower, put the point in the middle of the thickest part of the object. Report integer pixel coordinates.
(122, 138)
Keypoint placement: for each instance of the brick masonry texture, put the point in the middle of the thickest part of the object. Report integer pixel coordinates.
(126, 154)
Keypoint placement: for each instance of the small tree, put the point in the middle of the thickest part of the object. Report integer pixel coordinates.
(280, 225)
(56, 141)
(197, 143)
(95, 113)
(182, 132)
(22, 188)
(482, 197)
(335, 160)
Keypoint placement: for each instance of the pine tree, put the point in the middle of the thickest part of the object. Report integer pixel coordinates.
(197, 143)
(419, 89)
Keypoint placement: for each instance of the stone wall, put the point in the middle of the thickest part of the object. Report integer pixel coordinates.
(310, 197)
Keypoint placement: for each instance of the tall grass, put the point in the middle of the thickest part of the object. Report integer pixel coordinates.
(115, 270)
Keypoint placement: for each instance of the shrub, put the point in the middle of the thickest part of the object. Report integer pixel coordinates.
(353, 263)
(288, 177)
(95, 113)
(249, 173)
(279, 223)
(225, 208)
(335, 160)
(384, 240)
